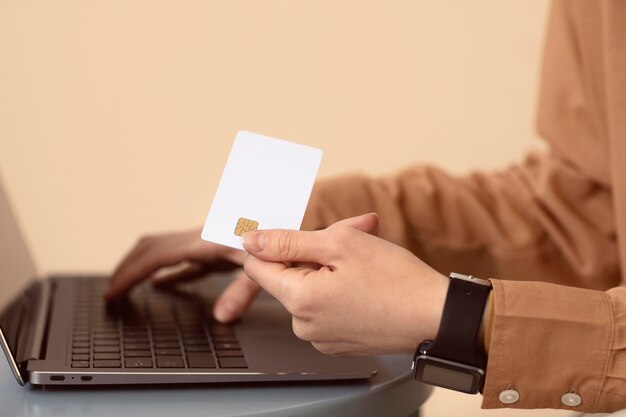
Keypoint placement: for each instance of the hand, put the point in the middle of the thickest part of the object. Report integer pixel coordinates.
(365, 295)
(153, 256)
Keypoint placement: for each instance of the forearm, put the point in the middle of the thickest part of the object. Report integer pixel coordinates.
(541, 220)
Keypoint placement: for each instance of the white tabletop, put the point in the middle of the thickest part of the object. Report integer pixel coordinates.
(390, 393)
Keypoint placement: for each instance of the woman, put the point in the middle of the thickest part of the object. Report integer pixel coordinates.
(557, 218)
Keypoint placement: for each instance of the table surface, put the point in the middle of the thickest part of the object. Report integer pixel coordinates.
(391, 393)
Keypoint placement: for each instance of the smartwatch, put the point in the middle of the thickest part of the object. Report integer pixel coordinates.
(456, 359)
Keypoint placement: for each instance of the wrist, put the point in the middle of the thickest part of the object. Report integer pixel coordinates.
(438, 298)
(425, 312)
(455, 358)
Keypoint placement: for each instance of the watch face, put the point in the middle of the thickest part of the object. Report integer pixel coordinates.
(450, 375)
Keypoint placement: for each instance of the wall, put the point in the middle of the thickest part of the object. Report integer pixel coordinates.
(116, 117)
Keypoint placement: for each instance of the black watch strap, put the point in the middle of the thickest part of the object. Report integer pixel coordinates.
(460, 323)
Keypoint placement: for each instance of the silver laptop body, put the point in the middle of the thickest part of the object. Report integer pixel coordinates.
(58, 331)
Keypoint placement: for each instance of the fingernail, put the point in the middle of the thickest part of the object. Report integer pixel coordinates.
(254, 241)
(226, 311)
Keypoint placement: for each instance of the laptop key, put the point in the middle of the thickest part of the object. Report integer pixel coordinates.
(140, 328)
(138, 354)
(225, 339)
(166, 345)
(169, 338)
(105, 336)
(80, 357)
(229, 353)
(162, 334)
(139, 363)
(198, 348)
(80, 350)
(226, 346)
(136, 346)
(170, 362)
(81, 338)
(140, 340)
(80, 344)
(129, 334)
(105, 328)
(106, 342)
(100, 329)
(195, 341)
(193, 333)
(191, 324)
(167, 352)
(106, 356)
(106, 349)
(80, 364)
(200, 360)
(233, 363)
(107, 364)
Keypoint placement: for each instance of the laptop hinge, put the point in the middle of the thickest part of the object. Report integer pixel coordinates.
(14, 330)
(23, 326)
(41, 301)
(17, 369)
(33, 307)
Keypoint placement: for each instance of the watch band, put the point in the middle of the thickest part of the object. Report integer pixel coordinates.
(460, 322)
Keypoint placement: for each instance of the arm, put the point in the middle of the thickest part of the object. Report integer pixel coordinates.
(542, 220)
(550, 343)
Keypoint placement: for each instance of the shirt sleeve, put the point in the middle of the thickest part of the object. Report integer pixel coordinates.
(559, 323)
(541, 220)
(556, 346)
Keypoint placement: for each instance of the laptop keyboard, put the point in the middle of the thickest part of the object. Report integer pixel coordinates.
(150, 329)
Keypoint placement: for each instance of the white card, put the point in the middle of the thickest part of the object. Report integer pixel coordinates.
(266, 181)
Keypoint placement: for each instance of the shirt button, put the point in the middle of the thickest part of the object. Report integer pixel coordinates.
(509, 396)
(571, 399)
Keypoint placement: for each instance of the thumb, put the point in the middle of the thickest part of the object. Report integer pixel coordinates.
(296, 246)
(288, 246)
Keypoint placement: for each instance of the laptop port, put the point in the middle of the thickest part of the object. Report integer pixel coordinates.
(86, 378)
(57, 378)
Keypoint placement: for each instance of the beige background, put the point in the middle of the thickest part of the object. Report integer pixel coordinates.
(116, 117)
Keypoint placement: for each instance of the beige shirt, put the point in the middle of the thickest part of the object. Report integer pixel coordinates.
(552, 229)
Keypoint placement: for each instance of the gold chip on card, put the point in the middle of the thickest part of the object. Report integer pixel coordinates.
(245, 225)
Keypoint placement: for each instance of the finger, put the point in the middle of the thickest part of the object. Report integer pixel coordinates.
(182, 272)
(153, 253)
(143, 250)
(275, 277)
(235, 299)
(365, 222)
(290, 246)
(140, 248)
(142, 266)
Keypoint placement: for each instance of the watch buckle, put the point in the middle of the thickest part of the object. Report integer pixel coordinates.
(470, 278)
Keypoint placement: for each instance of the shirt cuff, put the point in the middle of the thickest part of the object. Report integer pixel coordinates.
(550, 346)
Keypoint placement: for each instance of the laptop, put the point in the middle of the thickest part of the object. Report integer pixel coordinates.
(58, 330)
